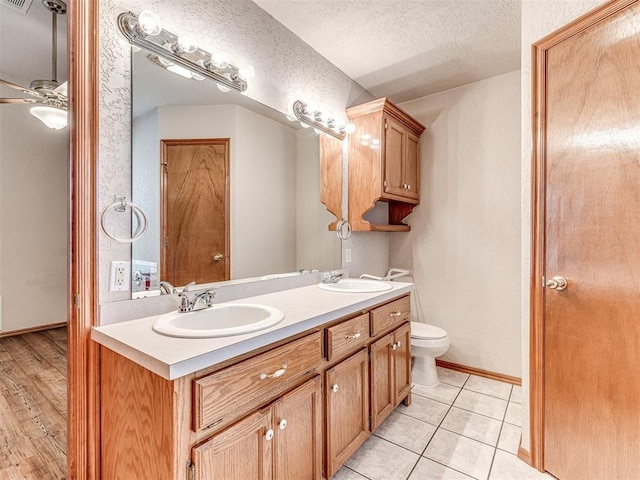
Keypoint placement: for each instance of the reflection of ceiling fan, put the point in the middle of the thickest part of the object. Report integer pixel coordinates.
(49, 98)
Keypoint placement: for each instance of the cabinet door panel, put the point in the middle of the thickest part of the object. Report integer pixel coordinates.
(347, 407)
(411, 167)
(394, 146)
(238, 453)
(382, 380)
(297, 421)
(402, 367)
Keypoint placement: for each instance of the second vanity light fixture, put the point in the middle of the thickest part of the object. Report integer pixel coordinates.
(180, 54)
(314, 118)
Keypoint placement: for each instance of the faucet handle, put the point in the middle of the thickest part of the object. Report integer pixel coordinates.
(186, 287)
(209, 295)
(185, 303)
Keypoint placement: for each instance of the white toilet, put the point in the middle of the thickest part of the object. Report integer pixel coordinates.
(427, 343)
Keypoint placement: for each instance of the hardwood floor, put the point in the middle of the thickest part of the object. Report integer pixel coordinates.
(33, 406)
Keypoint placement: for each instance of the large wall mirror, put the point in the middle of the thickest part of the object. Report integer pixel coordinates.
(230, 187)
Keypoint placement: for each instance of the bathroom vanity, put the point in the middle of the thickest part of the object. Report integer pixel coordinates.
(290, 402)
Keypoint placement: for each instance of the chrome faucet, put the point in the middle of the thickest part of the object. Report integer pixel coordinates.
(332, 277)
(166, 288)
(206, 298)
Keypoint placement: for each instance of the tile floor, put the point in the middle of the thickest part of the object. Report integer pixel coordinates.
(466, 427)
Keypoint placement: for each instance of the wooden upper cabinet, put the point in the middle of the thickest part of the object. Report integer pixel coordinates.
(384, 164)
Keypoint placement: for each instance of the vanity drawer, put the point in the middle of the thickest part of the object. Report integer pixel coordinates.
(390, 315)
(230, 393)
(347, 336)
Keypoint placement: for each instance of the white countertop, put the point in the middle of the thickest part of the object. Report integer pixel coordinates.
(170, 357)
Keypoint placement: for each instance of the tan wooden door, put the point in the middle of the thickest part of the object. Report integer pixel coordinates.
(240, 452)
(195, 213)
(298, 425)
(347, 408)
(592, 239)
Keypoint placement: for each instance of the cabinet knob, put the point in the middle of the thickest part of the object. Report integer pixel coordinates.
(283, 424)
(334, 388)
(399, 343)
(408, 187)
(355, 335)
(217, 257)
(394, 346)
(269, 435)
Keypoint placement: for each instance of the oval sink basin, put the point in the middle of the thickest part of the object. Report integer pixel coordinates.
(356, 285)
(218, 321)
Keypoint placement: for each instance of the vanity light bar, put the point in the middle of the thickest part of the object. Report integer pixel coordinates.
(165, 45)
(314, 119)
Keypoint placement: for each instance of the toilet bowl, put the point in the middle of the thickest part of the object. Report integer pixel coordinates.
(427, 343)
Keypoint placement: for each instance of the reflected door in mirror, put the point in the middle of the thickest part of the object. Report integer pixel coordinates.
(195, 211)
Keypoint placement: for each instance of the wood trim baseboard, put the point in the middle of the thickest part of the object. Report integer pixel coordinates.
(524, 455)
(479, 372)
(39, 328)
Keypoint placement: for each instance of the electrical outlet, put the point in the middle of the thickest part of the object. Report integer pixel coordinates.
(347, 255)
(119, 277)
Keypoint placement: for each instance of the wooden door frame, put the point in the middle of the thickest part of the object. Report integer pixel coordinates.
(164, 143)
(83, 453)
(536, 345)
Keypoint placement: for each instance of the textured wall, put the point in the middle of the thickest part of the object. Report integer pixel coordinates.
(286, 69)
(539, 18)
(464, 243)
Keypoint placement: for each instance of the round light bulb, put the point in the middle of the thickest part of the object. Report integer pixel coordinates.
(135, 48)
(247, 72)
(149, 22)
(186, 43)
(223, 88)
(304, 125)
(317, 131)
(220, 59)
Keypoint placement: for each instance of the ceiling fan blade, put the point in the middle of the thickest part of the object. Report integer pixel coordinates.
(62, 90)
(31, 101)
(28, 91)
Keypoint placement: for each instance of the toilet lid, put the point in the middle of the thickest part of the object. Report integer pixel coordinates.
(422, 330)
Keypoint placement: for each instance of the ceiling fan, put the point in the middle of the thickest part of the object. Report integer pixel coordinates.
(49, 100)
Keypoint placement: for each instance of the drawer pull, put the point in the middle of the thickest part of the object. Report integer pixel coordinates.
(399, 343)
(283, 424)
(269, 435)
(275, 374)
(395, 314)
(355, 335)
(334, 388)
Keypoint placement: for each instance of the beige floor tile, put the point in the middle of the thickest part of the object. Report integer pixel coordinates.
(442, 392)
(424, 409)
(430, 470)
(346, 474)
(482, 404)
(378, 459)
(509, 438)
(514, 414)
(460, 453)
(509, 467)
(451, 377)
(406, 431)
(516, 394)
(472, 425)
(488, 386)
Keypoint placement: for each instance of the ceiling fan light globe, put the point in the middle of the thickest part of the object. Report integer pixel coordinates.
(53, 118)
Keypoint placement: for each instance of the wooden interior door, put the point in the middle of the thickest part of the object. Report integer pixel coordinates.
(298, 424)
(195, 211)
(588, 222)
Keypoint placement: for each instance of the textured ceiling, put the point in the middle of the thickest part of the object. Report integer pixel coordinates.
(405, 49)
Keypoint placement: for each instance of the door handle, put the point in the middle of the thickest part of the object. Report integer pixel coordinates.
(557, 283)
(217, 257)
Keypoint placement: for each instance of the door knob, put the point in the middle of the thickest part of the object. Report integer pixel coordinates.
(334, 388)
(557, 283)
(217, 257)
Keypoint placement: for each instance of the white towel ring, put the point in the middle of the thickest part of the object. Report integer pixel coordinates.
(343, 229)
(120, 205)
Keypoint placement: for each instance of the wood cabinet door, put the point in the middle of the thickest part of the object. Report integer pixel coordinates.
(394, 151)
(242, 451)
(411, 167)
(347, 407)
(402, 363)
(382, 380)
(297, 422)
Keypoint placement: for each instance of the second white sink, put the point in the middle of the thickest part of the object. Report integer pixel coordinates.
(218, 321)
(356, 285)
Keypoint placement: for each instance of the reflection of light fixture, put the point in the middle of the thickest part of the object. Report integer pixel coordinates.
(312, 116)
(54, 118)
(173, 68)
(146, 32)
